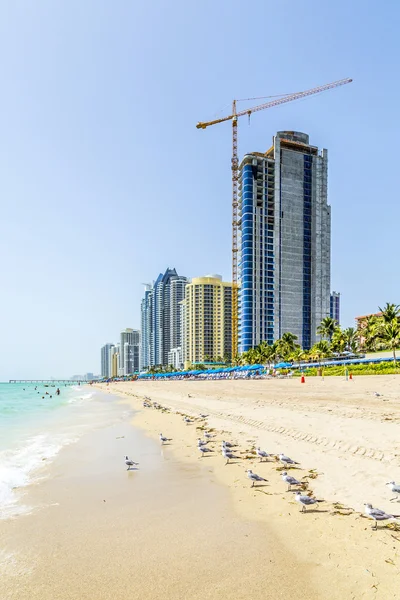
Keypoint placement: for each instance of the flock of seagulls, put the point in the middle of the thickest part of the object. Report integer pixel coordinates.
(228, 453)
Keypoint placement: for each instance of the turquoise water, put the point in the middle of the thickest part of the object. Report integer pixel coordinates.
(35, 426)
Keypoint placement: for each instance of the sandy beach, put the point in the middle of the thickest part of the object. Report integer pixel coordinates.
(165, 530)
(339, 430)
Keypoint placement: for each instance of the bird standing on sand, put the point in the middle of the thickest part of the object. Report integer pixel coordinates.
(130, 463)
(187, 420)
(262, 454)
(164, 439)
(395, 487)
(305, 500)
(203, 450)
(285, 460)
(208, 435)
(201, 442)
(289, 480)
(228, 444)
(228, 455)
(254, 477)
(377, 514)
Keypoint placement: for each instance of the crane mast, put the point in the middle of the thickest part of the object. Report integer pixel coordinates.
(235, 177)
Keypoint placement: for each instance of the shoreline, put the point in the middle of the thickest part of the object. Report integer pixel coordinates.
(167, 529)
(320, 534)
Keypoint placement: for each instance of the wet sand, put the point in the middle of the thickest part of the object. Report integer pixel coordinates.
(167, 530)
(338, 429)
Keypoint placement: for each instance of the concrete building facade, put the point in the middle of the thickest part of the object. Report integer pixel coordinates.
(129, 352)
(105, 359)
(207, 320)
(285, 228)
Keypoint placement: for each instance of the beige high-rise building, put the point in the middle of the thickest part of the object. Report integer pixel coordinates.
(207, 320)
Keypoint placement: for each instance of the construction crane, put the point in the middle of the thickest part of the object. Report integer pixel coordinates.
(235, 176)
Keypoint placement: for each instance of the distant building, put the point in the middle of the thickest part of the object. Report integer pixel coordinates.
(175, 358)
(129, 352)
(105, 359)
(160, 318)
(113, 363)
(145, 315)
(335, 307)
(89, 376)
(285, 233)
(207, 320)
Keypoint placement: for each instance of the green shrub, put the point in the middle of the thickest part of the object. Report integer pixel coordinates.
(383, 368)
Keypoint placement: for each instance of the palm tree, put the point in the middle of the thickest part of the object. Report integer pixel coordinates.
(327, 327)
(350, 338)
(390, 335)
(338, 342)
(390, 312)
(287, 344)
(321, 350)
(368, 333)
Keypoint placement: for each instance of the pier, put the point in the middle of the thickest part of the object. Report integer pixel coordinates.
(48, 381)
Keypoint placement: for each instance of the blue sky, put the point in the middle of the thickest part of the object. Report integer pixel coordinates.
(105, 180)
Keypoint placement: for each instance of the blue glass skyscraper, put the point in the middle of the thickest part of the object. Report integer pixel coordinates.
(284, 260)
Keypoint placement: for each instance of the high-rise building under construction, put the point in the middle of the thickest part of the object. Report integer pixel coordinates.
(285, 225)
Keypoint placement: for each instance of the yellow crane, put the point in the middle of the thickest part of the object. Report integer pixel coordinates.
(235, 175)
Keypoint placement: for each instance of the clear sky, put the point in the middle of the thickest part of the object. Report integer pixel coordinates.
(105, 180)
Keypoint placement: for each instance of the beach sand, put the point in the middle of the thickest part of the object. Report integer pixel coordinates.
(167, 530)
(338, 428)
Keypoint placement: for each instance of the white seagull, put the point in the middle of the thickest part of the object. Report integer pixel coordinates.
(164, 439)
(285, 460)
(262, 454)
(289, 480)
(377, 514)
(201, 442)
(254, 477)
(395, 487)
(228, 444)
(187, 420)
(305, 500)
(208, 435)
(203, 450)
(129, 463)
(228, 455)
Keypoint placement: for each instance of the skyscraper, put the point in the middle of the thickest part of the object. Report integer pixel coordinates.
(105, 360)
(207, 318)
(335, 306)
(145, 313)
(160, 317)
(285, 225)
(129, 351)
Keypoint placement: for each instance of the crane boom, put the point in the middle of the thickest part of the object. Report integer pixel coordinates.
(235, 176)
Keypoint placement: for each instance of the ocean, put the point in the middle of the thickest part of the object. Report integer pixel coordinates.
(35, 424)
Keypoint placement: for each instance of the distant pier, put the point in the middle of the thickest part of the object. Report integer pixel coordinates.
(48, 381)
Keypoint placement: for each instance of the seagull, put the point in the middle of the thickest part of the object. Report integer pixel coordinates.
(203, 450)
(228, 455)
(254, 477)
(164, 439)
(289, 480)
(129, 463)
(305, 500)
(377, 394)
(395, 487)
(262, 454)
(208, 435)
(228, 444)
(187, 420)
(201, 442)
(203, 416)
(377, 514)
(286, 460)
